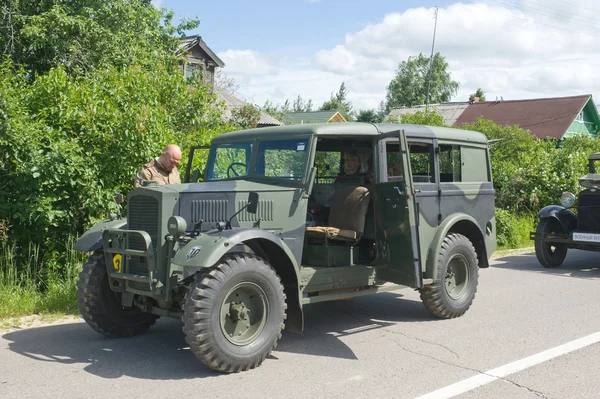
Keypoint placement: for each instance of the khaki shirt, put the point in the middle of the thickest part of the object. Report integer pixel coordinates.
(153, 170)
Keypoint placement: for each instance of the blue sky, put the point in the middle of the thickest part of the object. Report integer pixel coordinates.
(515, 49)
(271, 25)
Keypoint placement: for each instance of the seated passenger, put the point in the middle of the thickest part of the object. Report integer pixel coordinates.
(352, 169)
(395, 170)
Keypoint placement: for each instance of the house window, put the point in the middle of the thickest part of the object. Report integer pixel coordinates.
(190, 68)
(580, 117)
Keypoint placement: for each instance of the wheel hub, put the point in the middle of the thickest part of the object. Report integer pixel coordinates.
(238, 311)
(244, 313)
(457, 276)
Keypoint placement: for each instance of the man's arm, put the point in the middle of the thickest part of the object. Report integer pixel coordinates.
(142, 174)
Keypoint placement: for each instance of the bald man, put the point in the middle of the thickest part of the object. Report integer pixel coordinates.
(163, 170)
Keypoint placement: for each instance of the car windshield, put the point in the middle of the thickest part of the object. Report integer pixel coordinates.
(275, 159)
(595, 166)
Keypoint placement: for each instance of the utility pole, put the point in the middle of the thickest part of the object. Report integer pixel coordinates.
(435, 14)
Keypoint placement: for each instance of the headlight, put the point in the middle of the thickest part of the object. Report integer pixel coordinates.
(567, 199)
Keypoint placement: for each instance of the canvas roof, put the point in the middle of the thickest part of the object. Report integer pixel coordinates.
(544, 117)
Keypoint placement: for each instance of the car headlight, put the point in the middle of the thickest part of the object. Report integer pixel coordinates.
(567, 199)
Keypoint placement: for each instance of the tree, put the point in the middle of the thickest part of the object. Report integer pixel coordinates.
(339, 102)
(409, 86)
(82, 35)
(369, 115)
(479, 94)
(277, 111)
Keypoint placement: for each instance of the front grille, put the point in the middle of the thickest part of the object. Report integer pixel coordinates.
(142, 214)
(588, 212)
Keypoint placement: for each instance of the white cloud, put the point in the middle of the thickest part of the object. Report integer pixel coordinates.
(247, 62)
(157, 3)
(525, 52)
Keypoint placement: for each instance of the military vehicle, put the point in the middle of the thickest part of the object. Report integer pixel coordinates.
(560, 229)
(278, 222)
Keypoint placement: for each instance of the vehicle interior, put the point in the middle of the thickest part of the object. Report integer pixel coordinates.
(340, 221)
(341, 216)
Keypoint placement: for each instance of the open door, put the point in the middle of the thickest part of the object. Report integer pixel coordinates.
(196, 163)
(396, 217)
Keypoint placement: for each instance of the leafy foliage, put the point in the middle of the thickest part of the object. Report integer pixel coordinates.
(339, 102)
(430, 117)
(529, 173)
(409, 86)
(83, 35)
(69, 143)
(479, 94)
(370, 116)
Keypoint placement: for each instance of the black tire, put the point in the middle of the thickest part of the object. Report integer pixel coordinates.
(455, 284)
(550, 255)
(101, 307)
(210, 316)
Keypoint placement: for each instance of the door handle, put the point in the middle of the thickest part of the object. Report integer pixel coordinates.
(417, 190)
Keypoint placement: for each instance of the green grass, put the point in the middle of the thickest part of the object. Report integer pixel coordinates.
(513, 229)
(31, 285)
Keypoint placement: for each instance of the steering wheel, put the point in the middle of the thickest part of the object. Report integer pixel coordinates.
(231, 169)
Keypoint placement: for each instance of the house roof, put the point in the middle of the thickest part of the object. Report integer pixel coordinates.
(544, 117)
(232, 102)
(309, 117)
(187, 43)
(449, 111)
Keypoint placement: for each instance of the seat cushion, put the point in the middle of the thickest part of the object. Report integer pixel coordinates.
(331, 233)
(349, 209)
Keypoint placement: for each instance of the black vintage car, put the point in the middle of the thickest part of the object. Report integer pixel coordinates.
(560, 228)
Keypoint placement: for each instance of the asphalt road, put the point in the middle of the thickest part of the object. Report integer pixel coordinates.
(381, 346)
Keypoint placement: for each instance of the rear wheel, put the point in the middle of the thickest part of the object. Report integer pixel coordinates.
(234, 313)
(101, 307)
(455, 285)
(550, 255)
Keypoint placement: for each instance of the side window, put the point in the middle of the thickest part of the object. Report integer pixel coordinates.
(394, 162)
(421, 162)
(475, 166)
(450, 163)
(328, 165)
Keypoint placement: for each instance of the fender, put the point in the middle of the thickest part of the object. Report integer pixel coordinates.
(433, 253)
(565, 217)
(91, 240)
(210, 247)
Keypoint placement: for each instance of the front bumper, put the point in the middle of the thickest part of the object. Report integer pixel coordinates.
(131, 270)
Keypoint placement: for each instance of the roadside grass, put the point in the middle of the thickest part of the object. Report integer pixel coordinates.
(31, 286)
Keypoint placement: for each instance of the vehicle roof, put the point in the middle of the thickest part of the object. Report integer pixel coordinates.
(595, 155)
(352, 129)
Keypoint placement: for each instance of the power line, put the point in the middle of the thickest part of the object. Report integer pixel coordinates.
(583, 21)
(529, 20)
(577, 5)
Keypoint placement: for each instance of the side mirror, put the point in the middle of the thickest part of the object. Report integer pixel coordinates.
(252, 202)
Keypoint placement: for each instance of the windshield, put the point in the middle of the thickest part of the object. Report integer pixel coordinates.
(275, 158)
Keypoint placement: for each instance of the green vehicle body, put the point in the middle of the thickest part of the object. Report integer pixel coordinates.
(445, 194)
(560, 229)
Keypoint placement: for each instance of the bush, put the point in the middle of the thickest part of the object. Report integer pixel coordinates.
(512, 230)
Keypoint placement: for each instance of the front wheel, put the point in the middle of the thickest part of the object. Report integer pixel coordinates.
(455, 285)
(101, 307)
(234, 313)
(550, 255)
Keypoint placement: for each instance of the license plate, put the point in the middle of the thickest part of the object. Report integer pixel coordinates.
(588, 237)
